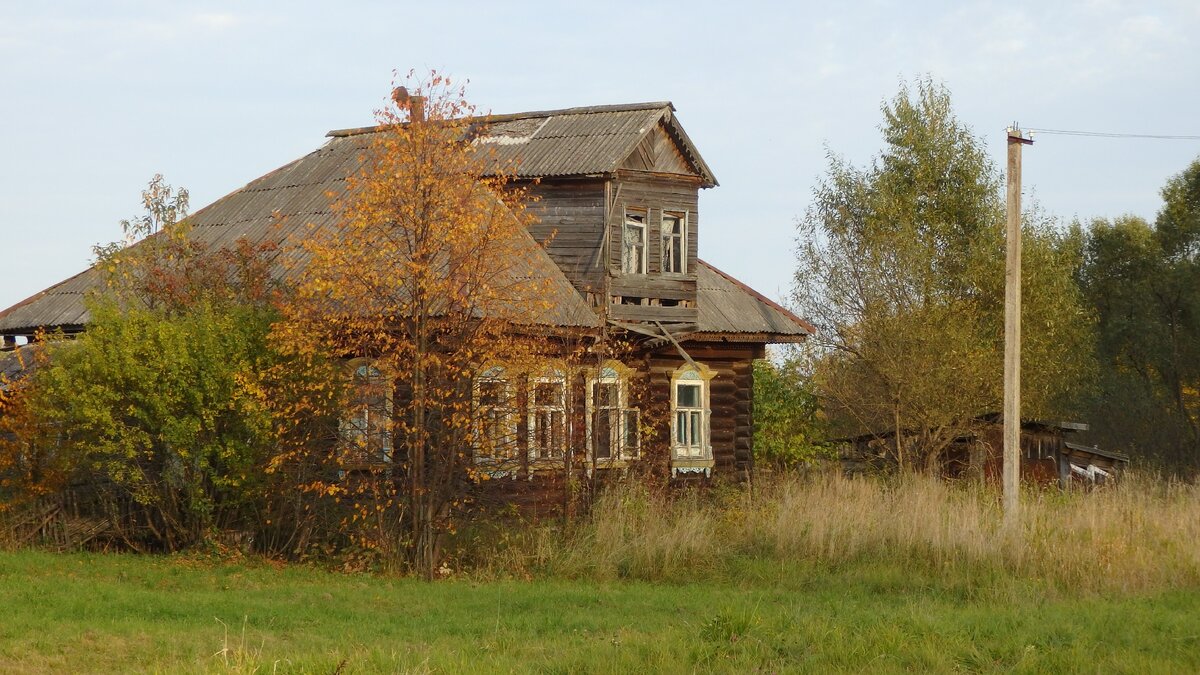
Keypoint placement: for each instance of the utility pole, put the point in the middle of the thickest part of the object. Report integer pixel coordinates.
(1012, 333)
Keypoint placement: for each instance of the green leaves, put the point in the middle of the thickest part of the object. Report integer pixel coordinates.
(901, 266)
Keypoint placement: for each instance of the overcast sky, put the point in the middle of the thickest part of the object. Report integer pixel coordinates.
(95, 98)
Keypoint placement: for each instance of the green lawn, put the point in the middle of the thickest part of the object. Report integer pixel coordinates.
(117, 613)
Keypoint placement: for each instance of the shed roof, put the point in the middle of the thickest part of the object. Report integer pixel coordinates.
(726, 305)
(1093, 450)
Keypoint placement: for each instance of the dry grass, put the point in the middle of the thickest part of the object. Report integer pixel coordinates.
(1142, 534)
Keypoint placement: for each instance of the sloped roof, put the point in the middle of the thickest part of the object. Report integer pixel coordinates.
(16, 364)
(273, 208)
(584, 141)
(568, 142)
(726, 305)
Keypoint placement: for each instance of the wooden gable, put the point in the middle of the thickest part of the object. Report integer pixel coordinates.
(658, 152)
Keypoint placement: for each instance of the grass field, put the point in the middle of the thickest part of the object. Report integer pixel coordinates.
(118, 613)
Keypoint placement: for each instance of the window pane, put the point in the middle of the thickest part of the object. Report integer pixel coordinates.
(604, 394)
(687, 395)
(557, 434)
(548, 394)
(491, 393)
(694, 436)
(632, 435)
(633, 244)
(602, 435)
(681, 428)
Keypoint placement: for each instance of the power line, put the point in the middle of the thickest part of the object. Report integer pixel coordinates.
(1103, 134)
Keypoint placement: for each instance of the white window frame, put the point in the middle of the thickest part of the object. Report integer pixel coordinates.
(628, 419)
(537, 413)
(504, 449)
(692, 455)
(682, 217)
(638, 220)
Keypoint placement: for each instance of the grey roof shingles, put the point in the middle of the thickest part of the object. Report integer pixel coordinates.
(726, 305)
(573, 141)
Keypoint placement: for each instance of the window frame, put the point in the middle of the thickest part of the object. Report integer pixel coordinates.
(683, 219)
(692, 457)
(642, 223)
(620, 375)
(534, 410)
(355, 431)
(507, 450)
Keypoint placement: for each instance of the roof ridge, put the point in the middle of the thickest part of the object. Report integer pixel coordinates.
(508, 117)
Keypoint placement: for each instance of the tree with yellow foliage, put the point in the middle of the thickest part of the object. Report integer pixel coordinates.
(424, 280)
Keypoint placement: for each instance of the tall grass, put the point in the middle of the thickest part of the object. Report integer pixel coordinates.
(1140, 534)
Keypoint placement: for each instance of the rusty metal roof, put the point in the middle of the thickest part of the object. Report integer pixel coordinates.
(273, 208)
(726, 305)
(587, 141)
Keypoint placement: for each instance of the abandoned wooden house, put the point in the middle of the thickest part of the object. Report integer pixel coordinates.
(1047, 454)
(619, 224)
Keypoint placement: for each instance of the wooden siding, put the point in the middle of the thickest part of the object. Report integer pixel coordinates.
(653, 194)
(731, 400)
(659, 153)
(571, 227)
(540, 488)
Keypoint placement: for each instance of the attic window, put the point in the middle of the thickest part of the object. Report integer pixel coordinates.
(674, 243)
(633, 244)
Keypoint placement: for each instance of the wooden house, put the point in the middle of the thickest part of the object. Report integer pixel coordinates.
(1048, 455)
(619, 224)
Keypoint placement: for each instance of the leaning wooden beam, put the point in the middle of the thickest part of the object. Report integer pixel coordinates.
(678, 346)
(657, 336)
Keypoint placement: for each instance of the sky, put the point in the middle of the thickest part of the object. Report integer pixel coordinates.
(97, 97)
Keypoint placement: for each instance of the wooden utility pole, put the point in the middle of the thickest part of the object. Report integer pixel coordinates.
(1012, 333)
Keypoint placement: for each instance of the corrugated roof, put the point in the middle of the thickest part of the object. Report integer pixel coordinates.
(271, 209)
(572, 141)
(726, 305)
(16, 364)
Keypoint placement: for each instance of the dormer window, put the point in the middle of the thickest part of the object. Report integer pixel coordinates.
(674, 243)
(633, 244)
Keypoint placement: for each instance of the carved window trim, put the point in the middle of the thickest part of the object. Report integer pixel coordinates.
(691, 420)
(623, 423)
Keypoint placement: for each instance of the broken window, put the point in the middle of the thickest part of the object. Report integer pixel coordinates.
(633, 244)
(674, 243)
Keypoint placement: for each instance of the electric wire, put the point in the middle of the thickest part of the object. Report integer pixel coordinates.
(1104, 134)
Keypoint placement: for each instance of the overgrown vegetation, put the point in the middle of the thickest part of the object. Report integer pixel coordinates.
(1140, 535)
(1143, 281)
(820, 574)
(901, 268)
(789, 427)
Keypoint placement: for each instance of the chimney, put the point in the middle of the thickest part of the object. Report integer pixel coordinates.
(415, 104)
